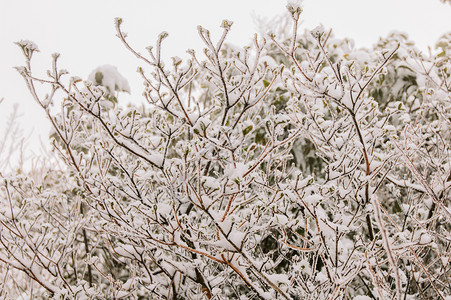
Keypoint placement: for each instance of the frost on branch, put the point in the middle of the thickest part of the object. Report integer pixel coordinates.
(294, 168)
(28, 47)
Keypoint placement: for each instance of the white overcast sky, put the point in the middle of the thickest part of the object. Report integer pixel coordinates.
(83, 32)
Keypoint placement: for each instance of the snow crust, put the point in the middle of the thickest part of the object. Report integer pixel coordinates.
(109, 77)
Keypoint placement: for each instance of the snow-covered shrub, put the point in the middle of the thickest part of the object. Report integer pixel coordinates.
(295, 168)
